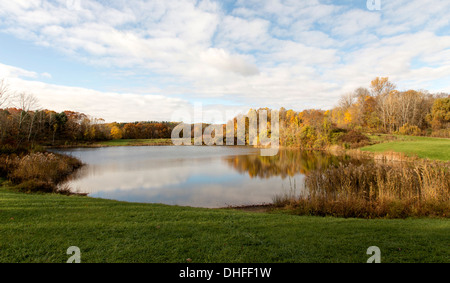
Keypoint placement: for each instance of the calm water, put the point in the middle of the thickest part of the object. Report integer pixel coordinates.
(192, 176)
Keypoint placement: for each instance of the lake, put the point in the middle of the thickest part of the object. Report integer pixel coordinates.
(197, 176)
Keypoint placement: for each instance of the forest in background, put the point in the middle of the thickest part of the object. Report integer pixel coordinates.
(23, 126)
(381, 108)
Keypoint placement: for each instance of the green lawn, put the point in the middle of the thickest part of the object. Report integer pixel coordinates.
(423, 147)
(132, 142)
(40, 228)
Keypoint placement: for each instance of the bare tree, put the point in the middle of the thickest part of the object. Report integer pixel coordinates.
(384, 92)
(347, 100)
(362, 92)
(26, 102)
(5, 94)
(4, 97)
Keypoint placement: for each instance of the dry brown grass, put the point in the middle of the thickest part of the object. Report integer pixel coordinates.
(377, 190)
(35, 172)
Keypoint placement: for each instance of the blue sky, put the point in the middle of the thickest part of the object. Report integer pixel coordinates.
(142, 60)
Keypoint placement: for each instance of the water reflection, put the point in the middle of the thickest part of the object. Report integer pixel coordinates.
(288, 163)
(192, 176)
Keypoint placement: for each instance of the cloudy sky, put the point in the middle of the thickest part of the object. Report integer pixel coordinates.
(130, 60)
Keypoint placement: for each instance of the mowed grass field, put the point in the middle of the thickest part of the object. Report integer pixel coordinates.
(423, 147)
(39, 228)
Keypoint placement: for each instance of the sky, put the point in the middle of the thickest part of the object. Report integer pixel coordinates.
(144, 60)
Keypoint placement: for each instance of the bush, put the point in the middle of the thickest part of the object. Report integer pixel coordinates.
(336, 134)
(409, 130)
(442, 133)
(6, 164)
(9, 149)
(6, 149)
(34, 186)
(47, 167)
(38, 171)
(353, 139)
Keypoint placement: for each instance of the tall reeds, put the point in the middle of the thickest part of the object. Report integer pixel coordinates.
(393, 190)
(34, 172)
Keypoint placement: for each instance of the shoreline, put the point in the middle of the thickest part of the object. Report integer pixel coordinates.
(255, 208)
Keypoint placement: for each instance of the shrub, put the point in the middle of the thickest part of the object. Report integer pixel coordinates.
(354, 139)
(442, 133)
(47, 167)
(409, 130)
(6, 164)
(33, 186)
(38, 171)
(6, 149)
(336, 134)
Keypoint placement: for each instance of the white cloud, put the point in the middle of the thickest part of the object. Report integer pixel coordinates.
(121, 107)
(296, 54)
(10, 71)
(353, 22)
(223, 61)
(111, 106)
(46, 75)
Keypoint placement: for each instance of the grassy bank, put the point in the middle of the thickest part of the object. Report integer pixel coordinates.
(107, 143)
(422, 147)
(136, 142)
(40, 228)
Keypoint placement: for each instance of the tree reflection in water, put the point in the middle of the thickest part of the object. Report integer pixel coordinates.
(287, 163)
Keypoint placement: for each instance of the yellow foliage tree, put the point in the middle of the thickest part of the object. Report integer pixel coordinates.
(347, 117)
(116, 133)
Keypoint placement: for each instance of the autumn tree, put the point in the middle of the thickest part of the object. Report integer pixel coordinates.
(59, 122)
(384, 92)
(356, 109)
(381, 86)
(412, 108)
(116, 133)
(440, 114)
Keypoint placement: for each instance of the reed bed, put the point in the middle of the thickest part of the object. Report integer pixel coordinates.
(390, 190)
(38, 172)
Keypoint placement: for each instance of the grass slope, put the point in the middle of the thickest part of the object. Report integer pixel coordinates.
(423, 147)
(40, 228)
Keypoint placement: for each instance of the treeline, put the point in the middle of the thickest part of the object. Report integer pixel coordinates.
(381, 108)
(22, 127)
(378, 109)
(142, 130)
